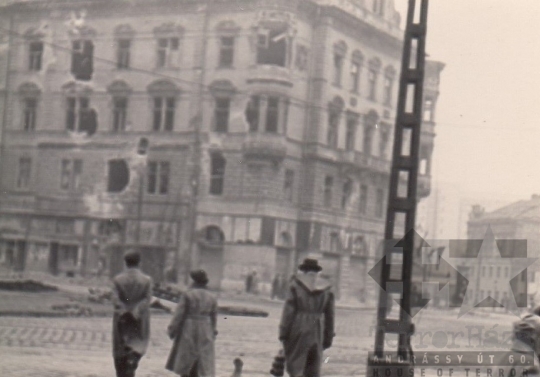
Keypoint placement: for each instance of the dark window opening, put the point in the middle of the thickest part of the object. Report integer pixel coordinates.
(359, 246)
(217, 176)
(226, 52)
(333, 124)
(288, 185)
(158, 177)
(70, 175)
(252, 113)
(29, 115)
(368, 140)
(123, 53)
(82, 59)
(167, 54)
(362, 205)
(213, 234)
(335, 244)
(118, 176)
(346, 194)
(388, 84)
(119, 113)
(328, 184)
(272, 47)
(350, 136)
(142, 148)
(383, 143)
(372, 85)
(355, 77)
(35, 56)
(380, 203)
(25, 169)
(272, 114)
(80, 117)
(164, 109)
(338, 69)
(221, 114)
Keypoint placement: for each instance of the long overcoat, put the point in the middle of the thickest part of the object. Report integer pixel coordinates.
(193, 330)
(132, 295)
(307, 323)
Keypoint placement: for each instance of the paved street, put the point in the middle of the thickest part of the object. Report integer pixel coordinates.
(81, 347)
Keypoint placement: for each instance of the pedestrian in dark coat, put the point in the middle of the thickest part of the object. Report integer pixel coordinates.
(132, 295)
(307, 322)
(193, 331)
(276, 286)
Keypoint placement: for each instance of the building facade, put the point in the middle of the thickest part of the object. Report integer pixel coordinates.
(235, 136)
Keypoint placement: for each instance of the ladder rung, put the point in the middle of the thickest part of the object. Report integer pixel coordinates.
(410, 120)
(404, 163)
(412, 76)
(394, 286)
(417, 30)
(395, 327)
(402, 205)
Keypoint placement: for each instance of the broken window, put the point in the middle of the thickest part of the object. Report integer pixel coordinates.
(158, 177)
(29, 114)
(346, 194)
(25, 169)
(350, 135)
(328, 185)
(333, 124)
(355, 77)
(288, 185)
(168, 52)
(273, 119)
(118, 177)
(338, 69)
(123, 47)
(80, 117)
(362, 201)
(272, 46)
(35, 55)
(221, 114)
(164, 108)
(70, 176)
(388, 85)
(379, 209)
(82, 59)
(119, 113)
(226, 51)
(217, 174)
(372, 79)
(428, 110)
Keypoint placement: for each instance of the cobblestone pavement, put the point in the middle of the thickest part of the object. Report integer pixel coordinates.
(81, 347)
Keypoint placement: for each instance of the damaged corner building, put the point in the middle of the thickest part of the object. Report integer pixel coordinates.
(275, 118)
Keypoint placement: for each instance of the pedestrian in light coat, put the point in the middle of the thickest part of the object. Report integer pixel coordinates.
(193, 331)
(307, 322)
(132, 295)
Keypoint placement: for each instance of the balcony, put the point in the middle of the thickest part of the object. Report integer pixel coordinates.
(270, 74)
(424, 185)
(266, 146)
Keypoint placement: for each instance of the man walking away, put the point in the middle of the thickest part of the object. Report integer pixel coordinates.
(307, 322)
(132, 294)
(193, 330)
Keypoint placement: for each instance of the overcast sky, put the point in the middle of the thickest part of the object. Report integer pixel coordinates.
(488, 129)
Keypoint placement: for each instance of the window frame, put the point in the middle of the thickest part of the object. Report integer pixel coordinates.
(379, 209)
(163, 116)
(158, 177)
(217, 174)
(288, 185)
(224, 60)
(120, 113)
(71, 170)
(123, 54)
(35, 57)
(24, 173)
(328, 191)
(29, 113)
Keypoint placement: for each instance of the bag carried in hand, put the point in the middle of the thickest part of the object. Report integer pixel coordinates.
(278, 366)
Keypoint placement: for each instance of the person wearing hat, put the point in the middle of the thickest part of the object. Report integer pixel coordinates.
(132, 295)
(193, 331)
(307, 321)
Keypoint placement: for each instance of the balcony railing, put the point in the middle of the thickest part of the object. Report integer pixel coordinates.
(265, 146)
(268, 74)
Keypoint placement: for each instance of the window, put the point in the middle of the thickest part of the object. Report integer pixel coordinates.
(29, 114)
(25, 169)
(333, 124)
(359, 246)
(388, 86)
(164, 108)
(168, 52)
(335, 246)
(338, 69)
(226, 51)
(221, 114)
(368, 139)
(217, 172)
(350, 136)
(119, 113)
(123, 53)
(362, 204)
(80, 117)
(118, 177)
(288, 185)
(346, 194)
(35, 55)
(483, 271)
(355, 77)
(490, 271)
(272, 46)
(273, 119)
(428, 110)
(328, 185)
(372, 80)
(70, 176)
(380, 203)
(82, 59)
(158, 177)
(383, 141)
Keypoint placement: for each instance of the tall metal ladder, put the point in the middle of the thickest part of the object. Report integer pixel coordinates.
(396, 278)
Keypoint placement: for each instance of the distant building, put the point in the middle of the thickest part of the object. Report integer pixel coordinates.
(259, 132)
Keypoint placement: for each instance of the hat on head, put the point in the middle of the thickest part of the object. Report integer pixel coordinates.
(199, 277)
(132, 257)
(310, 265)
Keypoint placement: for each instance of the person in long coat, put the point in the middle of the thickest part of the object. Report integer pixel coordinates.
(132, 295)
(307, 321)
(193, 330)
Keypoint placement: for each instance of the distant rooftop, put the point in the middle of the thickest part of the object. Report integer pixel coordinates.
(522, 210)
